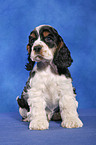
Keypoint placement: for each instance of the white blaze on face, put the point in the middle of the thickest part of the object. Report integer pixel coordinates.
(45, 52)
(39, 27)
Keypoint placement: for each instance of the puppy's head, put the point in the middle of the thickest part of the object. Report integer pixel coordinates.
(45, 44)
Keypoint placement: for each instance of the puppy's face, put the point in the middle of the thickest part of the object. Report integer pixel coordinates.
(43, 42)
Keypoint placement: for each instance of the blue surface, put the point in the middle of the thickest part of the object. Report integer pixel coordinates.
(15, 132)
(75, 22)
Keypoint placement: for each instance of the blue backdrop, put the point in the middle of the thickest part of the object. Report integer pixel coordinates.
(75, 22)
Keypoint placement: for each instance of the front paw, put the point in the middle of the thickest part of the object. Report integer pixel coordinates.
(72, 122)
(38, 125)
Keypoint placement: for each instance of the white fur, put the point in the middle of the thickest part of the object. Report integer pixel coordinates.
(50, 90)
(23, 112)
(39, 27)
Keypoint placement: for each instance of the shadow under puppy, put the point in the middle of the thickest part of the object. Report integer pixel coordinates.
(48, 93)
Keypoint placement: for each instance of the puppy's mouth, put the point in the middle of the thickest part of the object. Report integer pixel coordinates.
(38, 58)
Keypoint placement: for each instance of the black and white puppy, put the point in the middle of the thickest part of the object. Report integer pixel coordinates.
(48, 93)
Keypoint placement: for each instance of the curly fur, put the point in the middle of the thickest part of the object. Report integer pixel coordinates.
(48, 93)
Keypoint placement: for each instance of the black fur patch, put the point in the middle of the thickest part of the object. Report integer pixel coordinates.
(62, 58)
(23, 104)
(64, 71)
(30, 65)
(52, 39)
(56, 116)
(74, 90)
(32, 74)
(32, 39)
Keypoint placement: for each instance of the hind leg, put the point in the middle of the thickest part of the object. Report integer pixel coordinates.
(23, 112)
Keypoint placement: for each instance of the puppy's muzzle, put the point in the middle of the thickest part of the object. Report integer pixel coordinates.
(37, 48)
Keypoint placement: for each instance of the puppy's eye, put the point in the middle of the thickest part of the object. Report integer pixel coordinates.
(31, 39)
(49, 38)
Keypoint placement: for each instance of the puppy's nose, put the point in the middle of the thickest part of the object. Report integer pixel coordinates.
(37, 48)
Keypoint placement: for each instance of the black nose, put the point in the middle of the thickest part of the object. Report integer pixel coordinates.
(37, 48)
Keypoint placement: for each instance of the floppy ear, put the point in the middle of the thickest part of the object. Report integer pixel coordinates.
(62, 58)
(30, 65)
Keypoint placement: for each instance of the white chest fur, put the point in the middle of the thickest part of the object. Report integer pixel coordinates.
(49, 86)
(49, 90)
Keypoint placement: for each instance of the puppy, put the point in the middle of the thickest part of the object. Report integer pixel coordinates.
(48, 93)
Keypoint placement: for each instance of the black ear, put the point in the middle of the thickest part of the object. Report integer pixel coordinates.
(62, 58)
(30, 65)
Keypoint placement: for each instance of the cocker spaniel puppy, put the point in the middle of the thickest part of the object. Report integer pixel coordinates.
(48, 93)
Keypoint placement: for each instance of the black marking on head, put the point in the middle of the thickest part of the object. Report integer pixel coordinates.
(51, 39)
(33, 36)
